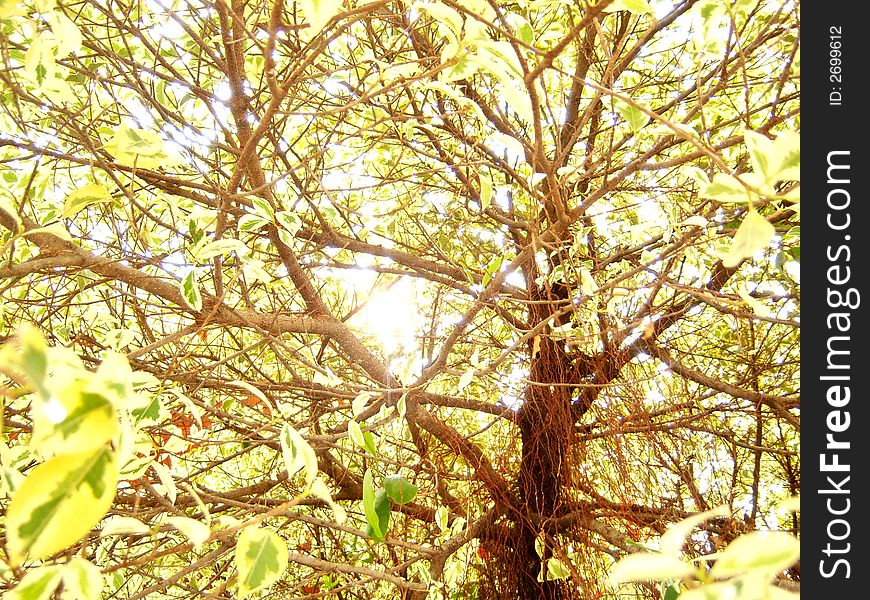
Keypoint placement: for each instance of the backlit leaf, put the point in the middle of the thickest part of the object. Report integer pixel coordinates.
(636, 7)
(196, 531)
(319, 12)
(673, 539)
(633, 115)
(67, 33)
(645, 566)
(465, 379)
(754, 234)
(726, 188)
(441, 517)
(121, 525)
(402, 405)
(485, 192)
(261, 558)
(359, 403)
(298, 454)
(165, 477)
(355, 433)
(220, 247)
(37, 584)
(83, 197)
(59, 502)
(140, 148)
(251, 222)
(73, 420)
(82, 579)
(319, 490)
(289, 221)
(556, 569)
(769, 551)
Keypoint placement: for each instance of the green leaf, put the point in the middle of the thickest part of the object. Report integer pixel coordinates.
(754, 234)
(376, 507)
(522, 29)
(37, 584)
(319, 12)
(298, 454)
(82, 579)
(382, 511)
(644, 566)
(768, 551)
(73, 420)
(261, 558)
(59, 502)
(370, 443)
(491, 269)
(190, 291)
(368, 500)
(83, 197)
(196, 531)
(671, 593)
(148, 413)
(633, 115)
(399, 489)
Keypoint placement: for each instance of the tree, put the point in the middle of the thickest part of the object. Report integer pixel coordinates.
(393, 299)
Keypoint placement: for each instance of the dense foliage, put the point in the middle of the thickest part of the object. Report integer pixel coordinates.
(392, 298)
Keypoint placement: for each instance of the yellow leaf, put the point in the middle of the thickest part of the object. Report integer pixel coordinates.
(59, 502)
(319, 490)
(192, 529)
(753, 235)
(140, 148)
(644, 565)
(298, 454)
(83, 579)
(83, 197)
(73, 420)
(319, 12)
(261, 557)
(10, 8)
(37, 584)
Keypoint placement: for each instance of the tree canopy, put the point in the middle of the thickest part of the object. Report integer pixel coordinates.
(398, 299)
